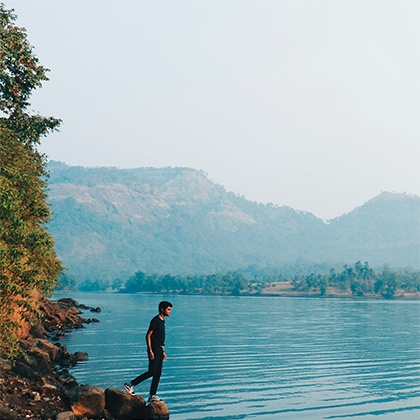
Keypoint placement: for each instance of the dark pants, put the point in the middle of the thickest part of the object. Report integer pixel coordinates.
(155, 370)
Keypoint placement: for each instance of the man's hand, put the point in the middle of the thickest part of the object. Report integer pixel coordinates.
(164, 356)
(151, 355)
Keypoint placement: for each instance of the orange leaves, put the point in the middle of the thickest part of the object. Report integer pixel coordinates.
(28, 263)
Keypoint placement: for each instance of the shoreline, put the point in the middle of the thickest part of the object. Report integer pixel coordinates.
(337, 296)
(292, 294)
(264, 293)
(40, 386)
(42, 377)
(286, 289)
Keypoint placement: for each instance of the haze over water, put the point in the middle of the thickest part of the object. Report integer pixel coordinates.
(261, 357)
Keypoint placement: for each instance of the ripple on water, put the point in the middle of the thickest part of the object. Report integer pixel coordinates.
(263, 358)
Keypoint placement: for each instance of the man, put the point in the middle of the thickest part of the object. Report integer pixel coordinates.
(155, 340)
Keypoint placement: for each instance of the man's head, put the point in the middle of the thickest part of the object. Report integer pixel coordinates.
(165, 308)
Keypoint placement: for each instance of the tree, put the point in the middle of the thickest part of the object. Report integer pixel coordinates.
(28, 263)
(136, 283)
(66, 282)
(389, 282)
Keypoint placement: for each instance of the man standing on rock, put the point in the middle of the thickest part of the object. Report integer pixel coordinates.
(155, 340)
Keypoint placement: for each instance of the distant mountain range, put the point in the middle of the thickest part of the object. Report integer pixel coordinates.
(109, 223)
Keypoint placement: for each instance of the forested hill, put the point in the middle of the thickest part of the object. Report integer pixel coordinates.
(109, 223)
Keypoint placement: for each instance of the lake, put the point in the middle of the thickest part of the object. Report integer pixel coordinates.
(261, 357)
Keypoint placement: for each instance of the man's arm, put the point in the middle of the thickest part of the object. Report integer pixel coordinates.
(149, 344)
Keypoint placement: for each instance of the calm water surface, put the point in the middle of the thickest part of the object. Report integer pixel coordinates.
(261, 357)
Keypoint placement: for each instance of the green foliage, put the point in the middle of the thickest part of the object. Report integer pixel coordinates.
(232, 283)
(28, 262)
(20, 72)
(361, 280)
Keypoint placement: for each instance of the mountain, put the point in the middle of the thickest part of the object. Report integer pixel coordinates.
(109, 223)
(385, 229)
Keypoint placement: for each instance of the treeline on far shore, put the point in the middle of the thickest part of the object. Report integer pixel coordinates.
(361, 280)
(356, 280)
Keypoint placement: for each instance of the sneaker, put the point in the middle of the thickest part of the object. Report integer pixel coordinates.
(154, 398)
(129, 388)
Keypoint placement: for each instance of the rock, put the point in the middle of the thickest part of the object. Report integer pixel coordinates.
(86, 401)
(36, 386)
(96, 310)
(107, 416)
(67, 302)
(38, 331)
(156, 410)
(52, 350)
(66, 359)
(123, 406)
(49, 387)
(66, 379)
(33, 367)
(60, 316)
(80, 356)
(66, 415)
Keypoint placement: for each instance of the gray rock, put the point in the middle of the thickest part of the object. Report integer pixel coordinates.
(66, 415)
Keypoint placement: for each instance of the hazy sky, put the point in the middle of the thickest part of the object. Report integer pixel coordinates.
(314, 104)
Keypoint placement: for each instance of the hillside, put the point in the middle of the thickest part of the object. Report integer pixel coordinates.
(109, 223)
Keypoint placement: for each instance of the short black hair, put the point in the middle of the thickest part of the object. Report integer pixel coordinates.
(163, 305)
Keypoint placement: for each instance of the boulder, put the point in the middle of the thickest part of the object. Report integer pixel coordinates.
(65, 359)
(123, 406)
(66, 379)
(37, 363)
(86, 401)
(156, 410)
(66, 415)
(81, 356)
(67, 303)
(52, 350)
(38, 331)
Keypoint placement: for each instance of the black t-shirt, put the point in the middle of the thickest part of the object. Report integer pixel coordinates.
(157, 325)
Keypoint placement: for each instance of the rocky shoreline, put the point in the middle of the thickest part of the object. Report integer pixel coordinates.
(40, 386)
